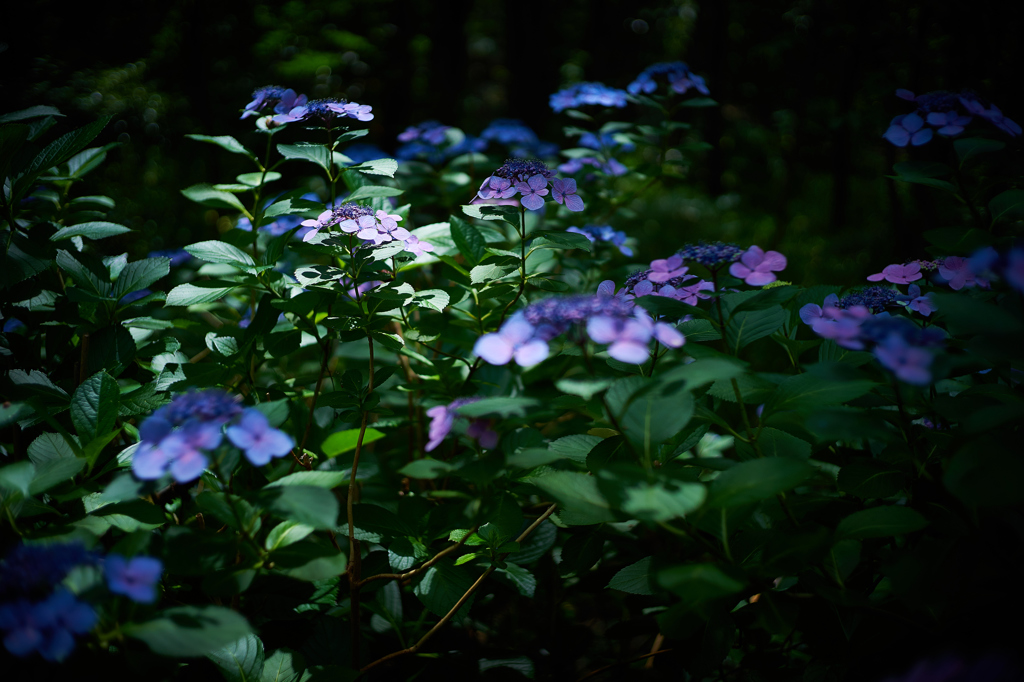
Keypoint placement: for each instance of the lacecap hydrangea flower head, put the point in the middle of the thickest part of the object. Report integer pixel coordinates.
(177, 438)
(680, 79)
(529, 179)
(943, 113)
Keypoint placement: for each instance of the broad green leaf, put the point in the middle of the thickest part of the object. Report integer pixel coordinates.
(47, 447)
(283, 665)
(776, 443)
(140, 274)
(286, 533)
(306, 151)
(311, 559)
(17, 477)
(219, 252)
(662, 501)
(968, 148)
(94, 406)
(702, 372)
(254, 179)
(561, 240)
(434, 299)
(870, 479)
(37, 111)
(521, 578)
(200, 292)
(343, 441)
(881, 522)
(756, 480)
(132, 515)
(240, 661)
(813, 390)
(306, 504)
(635, 578)
(377, 167)
(442, 586)
(575, 447)
(536, 544)
(580, 502)
(206, 195)
(373, 192)
(188, 631)
(82, 275)
(56, 153)
(509, 214)
(646, 416)
(425, 468)
(925, 173)
(318, 479)
(488, 272)
(584, 388)
(748, 326)
(468, 240)
(1008, 205)
(224, 142)
(521, 665)
(696, 583)
(498, 407)
(93, 230)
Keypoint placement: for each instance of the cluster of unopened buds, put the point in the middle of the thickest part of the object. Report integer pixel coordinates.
(529, 179)
(376, 227)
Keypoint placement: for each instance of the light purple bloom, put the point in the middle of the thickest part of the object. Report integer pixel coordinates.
(443, 419)
(417, 247)
(516, 339)
(532, 192)
(260, 441)
(135, 578)
(919, 303)
(755, 267)
(1014, 271)
(495, 187)
(958, 273)
(898, 274)
(628, 338)
(564, 191)
(664, 269)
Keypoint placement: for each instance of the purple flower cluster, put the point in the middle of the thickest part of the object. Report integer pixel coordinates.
(430, 140)
(518, 138)
(604, 233)
(582, 94)
(711, 255)
(443, 419)
(530, 180)
(38, 615)
(177, 436)
(945, 113)
(612, 320)
(325, 111)
(678, 74)
(990, 263)
(875, 299)
(960, 272)
(610, 167)
(899, 345)
(605, 141)
(281, 100)
(666, 277)
(378, 227)
(757, 267)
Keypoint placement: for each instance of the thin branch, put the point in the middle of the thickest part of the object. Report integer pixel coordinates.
(412, 572)
(632, 660)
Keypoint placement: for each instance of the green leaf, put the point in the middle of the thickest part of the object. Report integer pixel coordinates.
(37, 111)
(509, 214)
(426, 468)
(1008, 205)
(580, 501)
(283, 665)
(377, 167)
(813, 390)
(219, 252)
(696, 583)
(661, 500)
(647, 416)
(311, 560)
(240, 661)
(776, 443)
(969, 147)
(206, 195)
(925, 173)
(17, 477)
(635, 578)
(870, 479)
(201, 292)
(584, 388)
(131, 515)
(434, 299)
(488, 273)
(373, 192)
(575, 447)
(746, 327)
(313, 506)
(756, 480)
(48, 447)
(94, 230)
(468, 240)
(520, 577)
(286, 533)
(318, 479)
(139, 275)
(190, 630)
(702, 372)
(880, 522)
(56, 153)
(561, 240)
(225, 142)
(498, 407)
(343, 441)
(442, 586)
(255, 179)
(94, 406)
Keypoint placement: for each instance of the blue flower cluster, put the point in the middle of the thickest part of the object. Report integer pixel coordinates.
(605, 141)
(604, 233)
(530, 180)
(678, 74)
(280, 100)
(38, 615)
(711, 255)
(432, 141)
(610, 167)
(518, 137)
(613, 320)
(442, 419)
(875, 299)
(177, 436)
(325, 111)
(582, 94)
(945, 113)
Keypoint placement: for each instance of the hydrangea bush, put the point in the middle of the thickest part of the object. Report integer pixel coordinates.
(410, 419)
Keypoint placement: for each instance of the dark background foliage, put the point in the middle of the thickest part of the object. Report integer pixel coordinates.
(797, 160)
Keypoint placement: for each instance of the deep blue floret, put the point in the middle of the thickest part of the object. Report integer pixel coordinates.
(521, 170)
(875, 299)
(33, 570)
(711, 255)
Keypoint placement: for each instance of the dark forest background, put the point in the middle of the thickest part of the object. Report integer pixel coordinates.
(797, 161)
